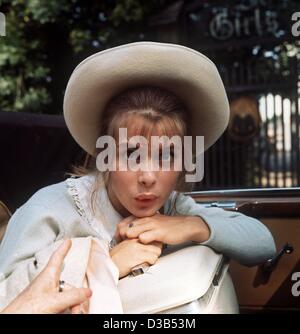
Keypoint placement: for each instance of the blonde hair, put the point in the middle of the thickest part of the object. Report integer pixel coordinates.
(160, 108)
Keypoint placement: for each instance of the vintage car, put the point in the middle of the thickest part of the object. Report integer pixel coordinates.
(207, 282)
(274, 285)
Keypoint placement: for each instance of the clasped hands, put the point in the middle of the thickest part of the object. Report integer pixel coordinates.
(140, 240)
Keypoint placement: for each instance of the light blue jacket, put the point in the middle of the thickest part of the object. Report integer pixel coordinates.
(63, 210)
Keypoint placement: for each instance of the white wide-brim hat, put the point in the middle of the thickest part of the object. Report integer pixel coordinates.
(187, 73)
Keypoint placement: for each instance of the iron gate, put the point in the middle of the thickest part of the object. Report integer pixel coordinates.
(271, 157)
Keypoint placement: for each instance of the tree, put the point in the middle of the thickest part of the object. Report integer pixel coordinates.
(45, 39)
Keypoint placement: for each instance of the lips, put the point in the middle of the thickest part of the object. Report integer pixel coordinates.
(146, 197)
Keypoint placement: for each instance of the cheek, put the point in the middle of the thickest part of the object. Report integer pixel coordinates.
(168, 180)
(120, 179)
(118, 191)
(121, 183)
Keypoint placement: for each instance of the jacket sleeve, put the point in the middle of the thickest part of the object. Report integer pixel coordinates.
(242, 238)
(30, 229)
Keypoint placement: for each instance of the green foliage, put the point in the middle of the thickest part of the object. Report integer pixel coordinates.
(45, 40)
(38, 32)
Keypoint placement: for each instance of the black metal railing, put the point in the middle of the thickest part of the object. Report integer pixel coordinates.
(271, 158)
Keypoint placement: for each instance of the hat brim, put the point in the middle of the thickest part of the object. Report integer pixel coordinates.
(187, 73)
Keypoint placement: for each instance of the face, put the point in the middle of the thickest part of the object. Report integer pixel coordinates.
(141, 193)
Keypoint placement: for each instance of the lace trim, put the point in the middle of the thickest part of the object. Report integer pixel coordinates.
(73, 191)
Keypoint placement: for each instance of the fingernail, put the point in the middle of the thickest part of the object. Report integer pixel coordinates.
(89, 293)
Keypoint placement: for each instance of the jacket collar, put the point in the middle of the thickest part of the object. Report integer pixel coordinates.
(104, 219)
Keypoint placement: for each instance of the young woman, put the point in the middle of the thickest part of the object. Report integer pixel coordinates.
(149, 89)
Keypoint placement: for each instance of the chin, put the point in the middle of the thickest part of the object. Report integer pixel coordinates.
(142, 213)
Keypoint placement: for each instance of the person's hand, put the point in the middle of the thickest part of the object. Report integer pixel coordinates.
(42, 296)
(171, 230)
(130, 253)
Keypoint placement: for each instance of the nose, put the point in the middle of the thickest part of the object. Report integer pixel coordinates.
(147, 178)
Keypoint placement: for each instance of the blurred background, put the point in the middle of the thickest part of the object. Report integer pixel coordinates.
(254, 43)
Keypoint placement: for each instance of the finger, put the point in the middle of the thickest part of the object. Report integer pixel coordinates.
(81, 309)
(157, 244)
(141, 221)
(121, 228)
(150, 248)
(76, 309)
(125, 226)
(136, 230)
(148, 237)
(65, 287)
(149, 257)
(122, 232)
(69, 299)
(56, 260)
(117, 236)
(68, 287)
(127, 220)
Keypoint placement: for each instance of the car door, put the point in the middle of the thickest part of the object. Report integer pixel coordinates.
(273, 286)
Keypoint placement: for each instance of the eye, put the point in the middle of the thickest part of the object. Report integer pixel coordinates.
(132, 157)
